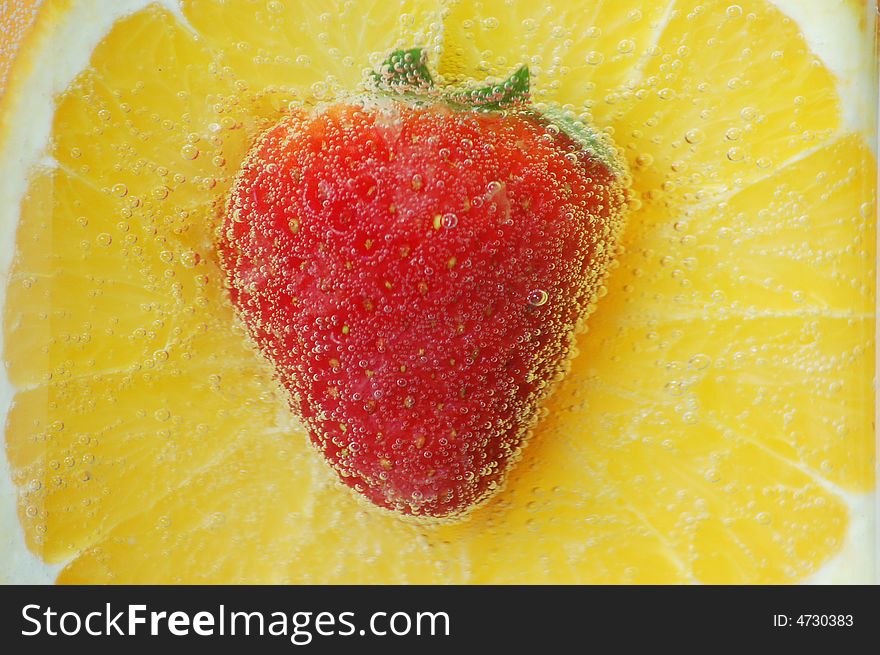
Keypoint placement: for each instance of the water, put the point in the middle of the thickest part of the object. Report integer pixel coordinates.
(664, 270)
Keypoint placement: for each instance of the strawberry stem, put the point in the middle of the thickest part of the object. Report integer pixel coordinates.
(513, 91)
(406, 72)
(406, 75)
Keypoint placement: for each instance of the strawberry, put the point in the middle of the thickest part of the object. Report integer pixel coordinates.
(414, 261)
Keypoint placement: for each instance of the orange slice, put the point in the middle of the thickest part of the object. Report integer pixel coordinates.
(714, 426)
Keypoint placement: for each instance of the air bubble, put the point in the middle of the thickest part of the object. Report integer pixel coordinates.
(693, 136)
(190, 259)
(538, 297)
(320, 89)
(674, 388)
(699, 362)
(626, 46)
(449, 220)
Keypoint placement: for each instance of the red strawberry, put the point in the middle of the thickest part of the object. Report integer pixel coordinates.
(414, 262)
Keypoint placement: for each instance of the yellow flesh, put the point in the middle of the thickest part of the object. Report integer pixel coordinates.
(721, 401)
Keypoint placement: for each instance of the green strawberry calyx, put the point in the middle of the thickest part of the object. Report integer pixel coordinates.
(405, 74)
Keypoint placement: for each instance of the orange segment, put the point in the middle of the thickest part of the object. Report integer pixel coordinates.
(115, 300)
(255, 501)
(268, 512)
(146, 125)
(81, 257)
(763, 309)
(124, 355)
(580, 53)
(729, 92)
(314, 48)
